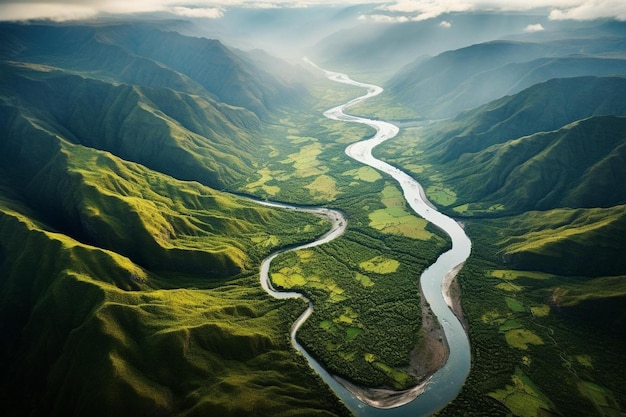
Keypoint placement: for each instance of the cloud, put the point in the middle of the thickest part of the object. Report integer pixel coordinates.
(199, 12)
(383, 18)
(56, 12)
(591, 10)
(445, 24)
(534, 28)
(556, 9)
(389, 11)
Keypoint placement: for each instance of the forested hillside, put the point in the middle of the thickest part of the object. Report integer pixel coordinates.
(128, 285)
(537, 177)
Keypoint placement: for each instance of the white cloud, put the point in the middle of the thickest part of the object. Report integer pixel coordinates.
(392, 11)
(383, 18)
(534, 28)
(557, 9)
(199, 12)
(445, 24)
(587, 10)
(56, 12)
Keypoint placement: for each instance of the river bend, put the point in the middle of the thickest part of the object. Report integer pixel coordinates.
(446, 383)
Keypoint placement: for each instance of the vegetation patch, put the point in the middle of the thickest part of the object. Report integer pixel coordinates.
(364, 280)
(509, 286)
(441, 195)
(585, 360)
(510, 274)
(493, 317)
(601, 397)
(510, 325)
(522, 338)
(305, 161)
(515, 305)
(380, 265)
(542, 310)
(323, 188)
(395, 219)
(400, 379)
(352, 333)
(261, 184)
(523, 398)
(367, 174)
(287, 278)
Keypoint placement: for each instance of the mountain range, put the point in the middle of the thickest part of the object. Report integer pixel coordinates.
(118, 252)
(129, 273)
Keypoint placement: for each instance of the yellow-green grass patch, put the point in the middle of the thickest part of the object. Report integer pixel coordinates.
(477, 208)
(493, 317)
(514, 305)
(599, 395)
(305, 162)
(296, 140)
(352, 333)
(380, 265)
(509, 286)
(511, 274)
(400, 379)
(364, 280)
(397, 221)
(540, 310)
(304, 255)
(510, 325)
(366, 174)
(523, 398)
(416, 169)
(266, 176)
(326, 325)
(462, 209)
(288, 280)
(268, 241)
(585, 360)
(347, 356)
(323, 188)
(441, 195)
(522, 338)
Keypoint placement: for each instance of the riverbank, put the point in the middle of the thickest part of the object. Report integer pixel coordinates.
(428, 357)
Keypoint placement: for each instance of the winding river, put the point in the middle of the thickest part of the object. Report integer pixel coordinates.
(446, 383)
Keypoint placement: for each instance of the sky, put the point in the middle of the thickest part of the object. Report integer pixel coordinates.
(384, 10)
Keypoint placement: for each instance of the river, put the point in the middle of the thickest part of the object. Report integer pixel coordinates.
(446, 383)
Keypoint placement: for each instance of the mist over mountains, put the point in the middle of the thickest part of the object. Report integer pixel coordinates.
(129, 260)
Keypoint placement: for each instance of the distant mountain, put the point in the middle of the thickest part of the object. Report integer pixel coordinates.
(145, 56)
(543, 107)
(462, 79)
(387, 47)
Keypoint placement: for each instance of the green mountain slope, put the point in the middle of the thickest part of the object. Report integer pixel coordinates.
(101, 264)
(86, 331)
(145, 56)
(188, 136)
(128, 286)
(554, 241)
(537, 179)
(543, 107)
(580, 165)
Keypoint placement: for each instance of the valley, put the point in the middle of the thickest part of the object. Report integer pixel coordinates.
(152, 167)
